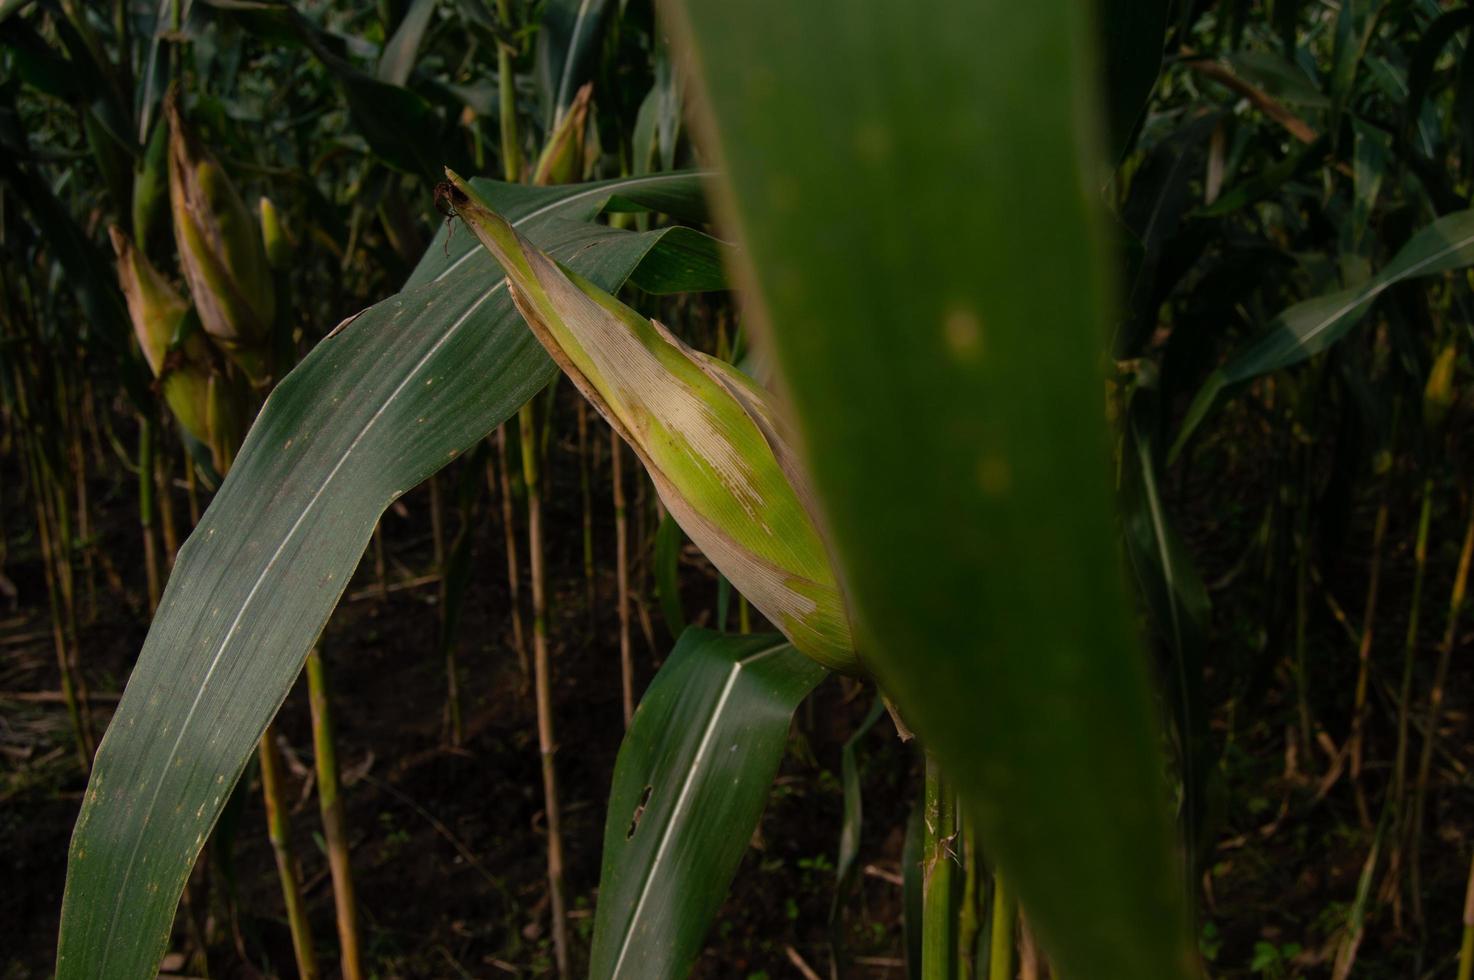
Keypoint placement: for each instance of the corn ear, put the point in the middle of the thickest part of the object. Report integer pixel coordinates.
(220, 251)
(155, 307)
(274, 237)
(715, 447)
(1438, 394)
(562, 159)
(208, 402)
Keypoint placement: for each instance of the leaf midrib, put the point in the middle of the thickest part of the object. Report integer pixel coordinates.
(316, 497)
(260, 580)
(692, 770)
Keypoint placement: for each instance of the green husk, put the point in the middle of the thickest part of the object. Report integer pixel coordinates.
(561, 161)
(1438, 393)
(221, 252)
(715, 446)
(274, 237)
(206, 399)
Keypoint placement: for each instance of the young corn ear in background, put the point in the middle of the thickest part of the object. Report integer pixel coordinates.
(208, 402)
(710, 437)
(221, 252)
(562, 160)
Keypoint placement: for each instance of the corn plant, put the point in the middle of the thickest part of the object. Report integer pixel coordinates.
(1014, 662)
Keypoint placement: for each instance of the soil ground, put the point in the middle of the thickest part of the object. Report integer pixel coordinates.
(448, 843)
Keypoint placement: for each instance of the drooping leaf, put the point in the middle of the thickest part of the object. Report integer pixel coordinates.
(378, 406)
(658, 122)
(1133, 33)
(690, 784)
(911, 893)
(398, 59)
(1279, 77)
(948, 384)
(1160, 195)
(568, 35)
(854, 818)
(1311, 326)
(1177, 603)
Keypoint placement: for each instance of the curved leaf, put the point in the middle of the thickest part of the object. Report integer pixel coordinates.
(690, 784)
(567, 37)
(398, 58)
(1133, 34)
(948, 382)
(1311, 326)
(378, 406)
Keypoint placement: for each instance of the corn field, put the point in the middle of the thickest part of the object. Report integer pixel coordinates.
(959, 490)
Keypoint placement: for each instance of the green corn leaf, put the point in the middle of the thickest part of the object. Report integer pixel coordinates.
(854, 818)
(943, 358)
(1177, 602)
(690, 784)
(568, 35)
(1133, 33)
(398, 59)
(376, 408)
(1311, 326)
(676, 194)
(667, 568)
(711, 439)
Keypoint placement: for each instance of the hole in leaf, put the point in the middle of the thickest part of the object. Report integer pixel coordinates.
(639, 812)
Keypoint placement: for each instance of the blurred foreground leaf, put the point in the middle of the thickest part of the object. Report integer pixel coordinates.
(930, 270)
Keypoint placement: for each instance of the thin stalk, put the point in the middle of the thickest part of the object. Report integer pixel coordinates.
(1302, 611)
(509, 531)
(166, 507)
(192, 491)
(334, 826)
(1435, 709)
(969, 924)
(381, 568)
(1364, 657)
(442, 612)
(586, 500)
(69, 691)
(146, 510)
(507, 100)
(1410, 644)
(622, 576)
(1000, 951)
(543, 682)
(84, 528)
(286, 864)
(938, 915)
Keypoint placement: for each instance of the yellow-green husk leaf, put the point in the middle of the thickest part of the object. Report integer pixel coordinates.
(209, 403)
(710, 438)
(561, 161)
(1438, 393)
(274, 237)
(220, 251)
